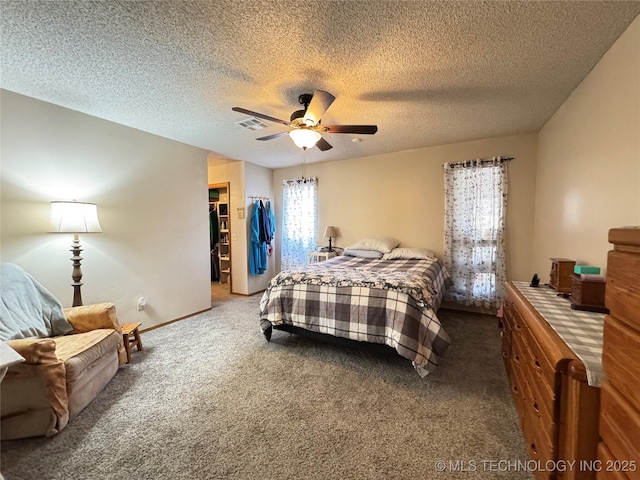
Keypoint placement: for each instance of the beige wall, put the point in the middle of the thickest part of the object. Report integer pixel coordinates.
(152, 202)
(588, 178)
(258, 182)
(402, 195)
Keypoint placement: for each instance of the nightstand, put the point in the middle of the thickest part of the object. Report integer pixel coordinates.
(313, 257)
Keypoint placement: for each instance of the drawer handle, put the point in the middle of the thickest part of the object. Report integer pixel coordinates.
(535, 408)
(537, 366)
(515, 389)
(516, 358)
(533, 449)
(517, 327)
(504, 354)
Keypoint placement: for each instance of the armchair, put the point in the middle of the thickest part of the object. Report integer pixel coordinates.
(72, 356)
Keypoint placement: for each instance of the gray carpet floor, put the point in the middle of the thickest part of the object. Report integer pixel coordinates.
(209, 398)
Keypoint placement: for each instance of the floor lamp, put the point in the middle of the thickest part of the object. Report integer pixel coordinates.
(75, 217)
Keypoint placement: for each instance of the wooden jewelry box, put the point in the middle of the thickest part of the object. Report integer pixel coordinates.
(588, 293)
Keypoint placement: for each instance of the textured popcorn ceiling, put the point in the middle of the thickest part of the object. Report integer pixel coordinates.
(426, 72)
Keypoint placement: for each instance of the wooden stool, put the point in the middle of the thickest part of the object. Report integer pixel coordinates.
(131, 336)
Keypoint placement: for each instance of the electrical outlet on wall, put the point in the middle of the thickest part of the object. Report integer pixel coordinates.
(142, 302)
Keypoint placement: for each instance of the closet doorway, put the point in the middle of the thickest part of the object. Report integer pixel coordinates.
(220, 240)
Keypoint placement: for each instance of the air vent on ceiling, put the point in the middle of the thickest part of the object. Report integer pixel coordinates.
(252, 124)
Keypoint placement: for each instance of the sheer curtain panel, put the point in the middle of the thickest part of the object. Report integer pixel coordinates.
(299, 221)
(474, 246)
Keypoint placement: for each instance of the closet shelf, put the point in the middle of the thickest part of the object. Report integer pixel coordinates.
(223, 232)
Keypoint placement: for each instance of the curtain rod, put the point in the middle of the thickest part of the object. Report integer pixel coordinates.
(299, 180)
(481, 161)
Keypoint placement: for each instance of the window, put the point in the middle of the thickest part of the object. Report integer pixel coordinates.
(299, 221)
(474, 248)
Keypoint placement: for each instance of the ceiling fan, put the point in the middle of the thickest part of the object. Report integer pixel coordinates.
(306, 125)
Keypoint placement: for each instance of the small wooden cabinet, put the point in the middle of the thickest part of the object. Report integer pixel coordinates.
(587, 294)
(561, 272)
(620, 412)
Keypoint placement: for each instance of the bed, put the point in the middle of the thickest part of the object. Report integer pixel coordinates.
(391, 300)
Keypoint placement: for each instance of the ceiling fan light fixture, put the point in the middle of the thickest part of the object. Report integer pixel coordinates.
(304, 138)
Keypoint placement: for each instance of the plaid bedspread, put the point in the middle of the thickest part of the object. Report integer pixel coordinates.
(379, 301)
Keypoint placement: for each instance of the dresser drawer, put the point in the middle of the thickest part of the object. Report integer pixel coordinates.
(537, 427)
(607, 465)
(620, 427)
(622, 295)
(538, 447)
(542, 368)
(517, 378)
(506, 344)
(507, 312)
(537, 413)
(621, 358)
(533, 371)
(514, 320)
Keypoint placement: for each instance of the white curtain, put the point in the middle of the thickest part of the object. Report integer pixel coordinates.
(474, 246)
(299, 221)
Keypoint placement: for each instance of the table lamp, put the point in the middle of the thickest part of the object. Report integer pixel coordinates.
(330, 231)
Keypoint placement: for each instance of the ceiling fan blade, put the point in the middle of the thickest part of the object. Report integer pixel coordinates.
(323, 145)
(360, 129)
(320, 102)
(275, 135)
(259, 115)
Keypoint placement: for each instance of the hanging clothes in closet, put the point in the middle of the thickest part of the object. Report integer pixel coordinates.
(214, 234)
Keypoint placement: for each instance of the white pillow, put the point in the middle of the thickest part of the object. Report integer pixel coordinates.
(406, 252)
(382, 245)
(354, 252)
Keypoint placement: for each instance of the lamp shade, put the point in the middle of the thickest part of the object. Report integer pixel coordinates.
(304, 138)
(330, 231)
(74, 217)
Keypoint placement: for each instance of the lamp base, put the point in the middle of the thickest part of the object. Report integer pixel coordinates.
(330, 249)
(76, 275)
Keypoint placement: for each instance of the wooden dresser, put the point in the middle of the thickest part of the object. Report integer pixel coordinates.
(619, 451)
(558, 409)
